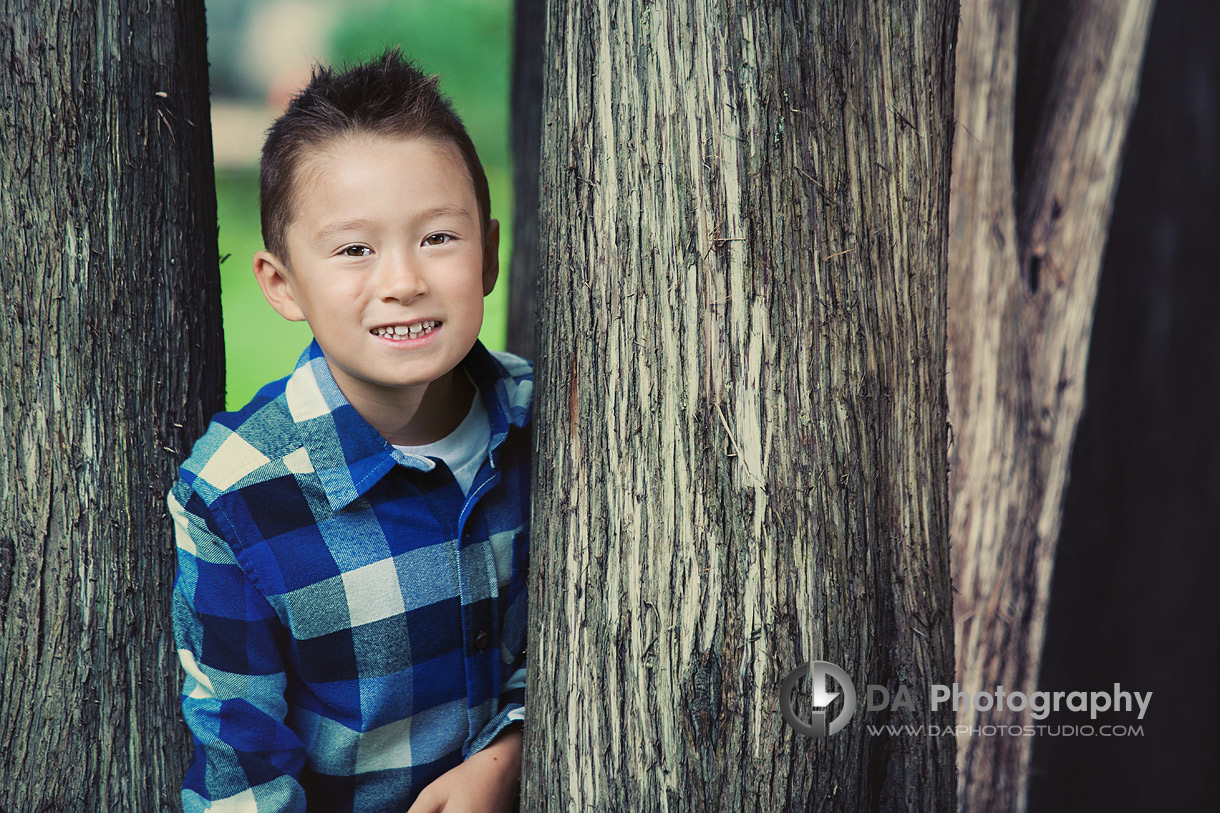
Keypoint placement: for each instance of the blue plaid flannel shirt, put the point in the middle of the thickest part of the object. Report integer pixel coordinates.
(350, 624)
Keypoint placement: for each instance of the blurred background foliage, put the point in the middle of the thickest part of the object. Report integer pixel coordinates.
(260, 53)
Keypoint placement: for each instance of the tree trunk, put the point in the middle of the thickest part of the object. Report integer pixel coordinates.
(1133, 597)
(741, 406)
(112, 362)
(1024, 257)
(528, 40)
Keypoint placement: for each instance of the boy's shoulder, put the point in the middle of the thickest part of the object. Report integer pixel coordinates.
(261, 435)
(514, 382)
(518, 368)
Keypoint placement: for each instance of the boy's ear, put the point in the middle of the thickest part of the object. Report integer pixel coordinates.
(273, 278)
(491, 256)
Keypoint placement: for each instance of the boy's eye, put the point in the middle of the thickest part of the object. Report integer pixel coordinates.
(355, 251)
(438, 239)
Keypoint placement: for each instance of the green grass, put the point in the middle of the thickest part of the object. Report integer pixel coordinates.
(465, 41)
(260, 346)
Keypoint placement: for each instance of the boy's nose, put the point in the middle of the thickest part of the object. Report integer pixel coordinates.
(400, 280)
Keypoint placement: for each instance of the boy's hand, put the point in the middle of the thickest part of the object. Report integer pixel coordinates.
(488, 781)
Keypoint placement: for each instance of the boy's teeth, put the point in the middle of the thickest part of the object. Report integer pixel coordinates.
(417, 329)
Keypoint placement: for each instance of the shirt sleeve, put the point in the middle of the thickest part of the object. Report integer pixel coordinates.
(514, 624)
(246, 758)
(512, 709)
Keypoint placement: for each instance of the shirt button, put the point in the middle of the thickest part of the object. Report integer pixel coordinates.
(482, 641)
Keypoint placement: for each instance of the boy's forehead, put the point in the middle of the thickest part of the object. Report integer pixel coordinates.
(336, 155)
(332, 173)
(336, 146)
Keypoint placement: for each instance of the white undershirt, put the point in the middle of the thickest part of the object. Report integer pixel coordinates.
(464, 448)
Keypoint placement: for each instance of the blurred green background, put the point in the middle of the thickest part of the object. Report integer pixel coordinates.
(260, 53)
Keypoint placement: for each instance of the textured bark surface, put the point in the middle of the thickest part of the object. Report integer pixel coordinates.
(1025, 252)
(529, 35)
(112, 361)
(741, 403)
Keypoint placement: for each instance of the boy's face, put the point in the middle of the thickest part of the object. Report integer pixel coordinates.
(387, 262)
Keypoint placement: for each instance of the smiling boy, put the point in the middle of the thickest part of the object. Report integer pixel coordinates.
(350, 602)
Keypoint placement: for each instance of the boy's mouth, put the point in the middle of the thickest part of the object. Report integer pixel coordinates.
(413, 330)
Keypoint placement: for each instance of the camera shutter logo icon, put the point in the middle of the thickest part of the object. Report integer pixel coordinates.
(820, 672)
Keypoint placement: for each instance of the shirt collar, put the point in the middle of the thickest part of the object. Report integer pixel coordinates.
(349, 455)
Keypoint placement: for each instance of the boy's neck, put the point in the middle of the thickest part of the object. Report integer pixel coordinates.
(417, 415)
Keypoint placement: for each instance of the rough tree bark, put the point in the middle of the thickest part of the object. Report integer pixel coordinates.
(1024, 254)
(111, 361)
(741, 407)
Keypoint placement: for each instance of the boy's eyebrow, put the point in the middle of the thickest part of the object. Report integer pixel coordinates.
(326, 232)
(446, 211)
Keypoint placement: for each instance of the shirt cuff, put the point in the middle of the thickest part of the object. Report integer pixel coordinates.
(510, 714)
